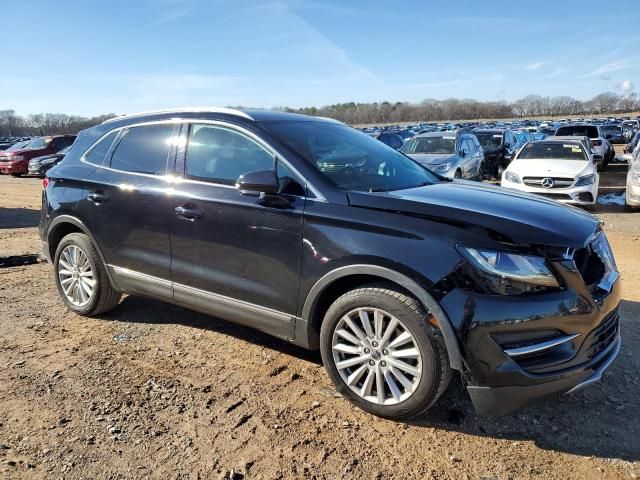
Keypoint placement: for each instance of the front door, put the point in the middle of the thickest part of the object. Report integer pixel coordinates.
(232, 255)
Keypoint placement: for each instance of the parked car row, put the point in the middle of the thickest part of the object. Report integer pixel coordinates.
(34, 156)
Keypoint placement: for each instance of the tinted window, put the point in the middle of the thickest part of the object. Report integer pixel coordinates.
(59, 143)
(221, 155)
(98, 154)
(144, 149)
(350, 159)
(578, 131)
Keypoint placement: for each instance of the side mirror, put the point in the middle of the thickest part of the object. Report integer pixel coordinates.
(258, 182)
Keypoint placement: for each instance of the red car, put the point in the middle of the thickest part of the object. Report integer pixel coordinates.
(16, 162)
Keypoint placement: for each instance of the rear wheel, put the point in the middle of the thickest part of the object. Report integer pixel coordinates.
(382, 354)
(458, 174)
(81, 277)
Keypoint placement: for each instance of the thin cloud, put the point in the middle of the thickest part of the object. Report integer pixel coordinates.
(532, 67)
(556, 73)
(605, 70)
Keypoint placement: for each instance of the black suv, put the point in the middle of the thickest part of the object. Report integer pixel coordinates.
(397, 275)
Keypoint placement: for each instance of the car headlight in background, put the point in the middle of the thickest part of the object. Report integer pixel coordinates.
(519, 268)
(635, 178)
(511, 177)
(16, 158)
(586, 180)
(443, 167)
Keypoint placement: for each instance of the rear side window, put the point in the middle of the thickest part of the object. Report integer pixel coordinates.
(98, 154)
(221, 155)
(144, 149)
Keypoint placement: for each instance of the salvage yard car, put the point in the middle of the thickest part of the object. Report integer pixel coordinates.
(555, 168)
(499, 145)
(599, 142)
(632, 194)
(398, 276)
(450, 154)
(40, 165)
(16, 162)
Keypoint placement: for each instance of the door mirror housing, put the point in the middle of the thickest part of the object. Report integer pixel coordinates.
(258, 182)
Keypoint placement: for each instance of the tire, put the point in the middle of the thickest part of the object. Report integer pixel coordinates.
(16, 175)
(103, 297)
(432, 363)
(501, 170)
(458, 174)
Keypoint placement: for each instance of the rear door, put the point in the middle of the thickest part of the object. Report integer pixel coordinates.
(127, 204)
(232, 255)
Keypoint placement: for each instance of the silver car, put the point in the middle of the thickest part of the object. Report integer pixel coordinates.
(452, 154)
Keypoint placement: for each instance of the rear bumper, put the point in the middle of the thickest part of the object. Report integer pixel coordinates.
(492, 401)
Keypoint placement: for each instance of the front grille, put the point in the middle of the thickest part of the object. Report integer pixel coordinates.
(555, 196)
(509, 340)
(558, 182)
(604, 334)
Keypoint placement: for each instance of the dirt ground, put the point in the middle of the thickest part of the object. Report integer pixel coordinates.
(155, 391)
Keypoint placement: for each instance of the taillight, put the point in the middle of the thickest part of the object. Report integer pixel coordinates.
(45, 182)
(596, 143)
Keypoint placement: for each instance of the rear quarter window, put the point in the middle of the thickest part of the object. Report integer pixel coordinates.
(144, 149)
(97, 155)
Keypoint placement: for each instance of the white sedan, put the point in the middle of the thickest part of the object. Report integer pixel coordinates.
(559, 169)
(632, 194)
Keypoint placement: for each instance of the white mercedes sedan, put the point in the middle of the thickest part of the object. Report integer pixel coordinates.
(559, 169)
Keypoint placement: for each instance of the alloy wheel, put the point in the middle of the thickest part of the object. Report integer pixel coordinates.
(376, 356)
(75, 275)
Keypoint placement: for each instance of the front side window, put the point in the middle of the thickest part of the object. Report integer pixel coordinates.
(144, 149)
(98, 154)
(221, 155)
(350, 159)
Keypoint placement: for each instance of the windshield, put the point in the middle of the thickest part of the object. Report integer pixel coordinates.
(17, 146)
(578, 131)
(350, 159)
(40, 142)
(552, 150)
(439, 145)
(489, 140)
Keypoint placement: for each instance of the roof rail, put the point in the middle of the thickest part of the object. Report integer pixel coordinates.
(228, 111)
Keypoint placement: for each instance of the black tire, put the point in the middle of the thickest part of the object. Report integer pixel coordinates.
(458, 174)
(16, 175)
(436, 372)
(103, 297)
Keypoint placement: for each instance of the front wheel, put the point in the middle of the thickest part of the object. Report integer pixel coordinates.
(81, 277)
(382, 354)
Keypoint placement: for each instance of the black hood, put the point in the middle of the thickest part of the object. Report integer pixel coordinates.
(524, 218)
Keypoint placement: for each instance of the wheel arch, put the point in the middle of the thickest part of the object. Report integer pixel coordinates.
(307, 333)
(63, 225)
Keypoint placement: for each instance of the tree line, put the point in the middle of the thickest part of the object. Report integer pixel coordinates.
(430, 110)
(45, 123)
(452, 109)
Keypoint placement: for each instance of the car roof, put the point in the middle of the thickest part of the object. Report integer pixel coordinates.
(251, 115)
(490, 130)
(450, 133)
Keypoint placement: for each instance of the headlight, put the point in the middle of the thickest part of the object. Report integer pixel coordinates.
(586, 180)
(520, 268)
(443, 167)
(48, 162)
(511, 177)
(17, 158)
(635, 178)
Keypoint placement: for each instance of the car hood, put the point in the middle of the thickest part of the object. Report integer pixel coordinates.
(524, 218)
(21, 151)
(432, 158)
(551, 168)
(50, 156)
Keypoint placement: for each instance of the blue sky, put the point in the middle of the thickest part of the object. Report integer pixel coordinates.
(93, 56)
